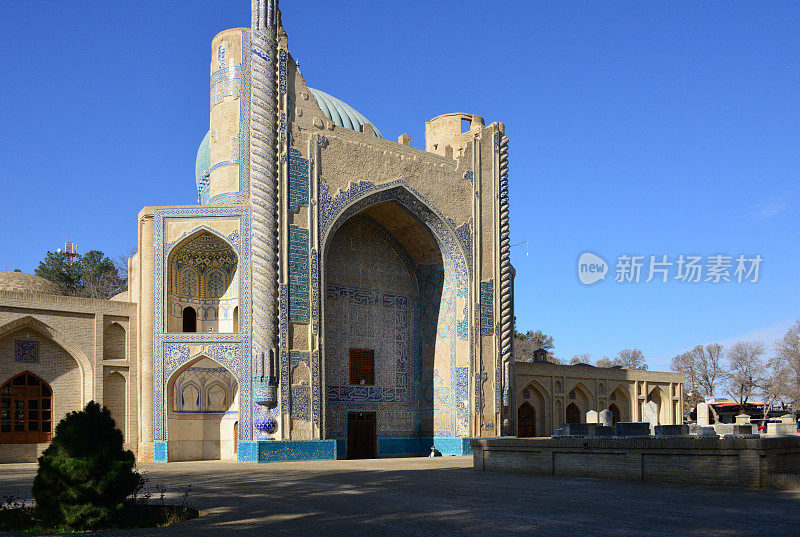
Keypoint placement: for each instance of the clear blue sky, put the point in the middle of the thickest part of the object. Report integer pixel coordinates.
(644, 128)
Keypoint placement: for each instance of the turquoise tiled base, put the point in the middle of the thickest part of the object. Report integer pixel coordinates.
(296, 450)
(160, 453)
(247, 451)
(415, 447)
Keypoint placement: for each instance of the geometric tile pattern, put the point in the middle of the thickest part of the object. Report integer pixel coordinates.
(223, 84)
(298, 275)
(298, 180)
(231, 350)
(487, 308)
(26, 351)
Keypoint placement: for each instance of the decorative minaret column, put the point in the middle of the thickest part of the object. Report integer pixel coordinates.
(264, 187)
(506, 291)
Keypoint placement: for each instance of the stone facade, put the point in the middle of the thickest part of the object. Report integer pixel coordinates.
(81, 348)
(559, 393)
(312, 236)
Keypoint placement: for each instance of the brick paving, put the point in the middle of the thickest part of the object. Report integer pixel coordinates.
(442, 496)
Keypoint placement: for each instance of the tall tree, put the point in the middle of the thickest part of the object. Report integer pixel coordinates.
(91, 275)
(692, 392)
(746, 370)
(708, 361)
(784, 368)
(631, 359)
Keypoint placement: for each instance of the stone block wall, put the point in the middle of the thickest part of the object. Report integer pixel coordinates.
(698, 461)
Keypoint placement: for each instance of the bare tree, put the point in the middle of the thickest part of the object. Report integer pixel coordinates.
(746, 370)
(708, 363)
(783, 378)
(685, 363)
(631, 359)
(605, 361)
(581, 359)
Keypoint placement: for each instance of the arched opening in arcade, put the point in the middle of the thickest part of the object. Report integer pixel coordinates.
(526, 421)
(202, 412)
(202, 285)
(619, 404)
(388, 328)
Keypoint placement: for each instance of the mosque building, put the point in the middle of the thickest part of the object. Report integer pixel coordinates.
(332, 294)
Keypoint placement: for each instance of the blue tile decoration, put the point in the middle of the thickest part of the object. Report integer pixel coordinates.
(298, 180)
(487, 308)
(337, 209)
(160, 452)
(314, 291)
(235, 81)
(26, 351)
(296, 450)
(298, 275)
(171, 350)
(300, 403)
(247, 451)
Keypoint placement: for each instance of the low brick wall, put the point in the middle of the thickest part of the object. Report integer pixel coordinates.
(743, 462)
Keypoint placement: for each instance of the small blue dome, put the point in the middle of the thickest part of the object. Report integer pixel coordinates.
(203, 161)
(341, 113)
(201, 168)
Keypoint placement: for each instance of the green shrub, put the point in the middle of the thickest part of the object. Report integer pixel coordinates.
(85, 474)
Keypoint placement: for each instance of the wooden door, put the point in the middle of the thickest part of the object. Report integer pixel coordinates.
(361, 435)
(526, 421)
(573, 413)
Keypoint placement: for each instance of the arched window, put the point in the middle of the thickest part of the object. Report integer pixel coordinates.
(26, 410)
(189, 319)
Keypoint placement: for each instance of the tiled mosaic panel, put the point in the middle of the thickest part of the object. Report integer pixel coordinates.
(298, 180)
(223, 85)
(453, 324)
(26, 351)
(298, 275)
(171, 350)
(487, 308)
(372, 302)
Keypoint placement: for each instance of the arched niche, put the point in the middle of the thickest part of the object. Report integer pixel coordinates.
(660, 398)
(620, 399)
(202, 409)
(202, 274)
(440, 267)
(114, 398)
(538, 399)
(114, 347)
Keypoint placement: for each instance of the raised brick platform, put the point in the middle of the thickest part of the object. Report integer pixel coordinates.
(744, 462)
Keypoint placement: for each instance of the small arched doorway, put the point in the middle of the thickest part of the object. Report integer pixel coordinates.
(26, 410)
(615, 415)
(189, 319)
(526, 421)
(236, 319)
(573, 413)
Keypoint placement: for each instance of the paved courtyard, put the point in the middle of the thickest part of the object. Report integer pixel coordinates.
(442, 496)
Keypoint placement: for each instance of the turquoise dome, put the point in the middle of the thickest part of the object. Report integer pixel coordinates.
(341, 113)
(203, 161)
(202, 165)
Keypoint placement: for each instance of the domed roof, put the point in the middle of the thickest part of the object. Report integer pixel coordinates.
(341, 113)
(28, 283)
(203, 161)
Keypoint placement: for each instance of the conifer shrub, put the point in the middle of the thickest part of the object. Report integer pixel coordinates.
(85, 475)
